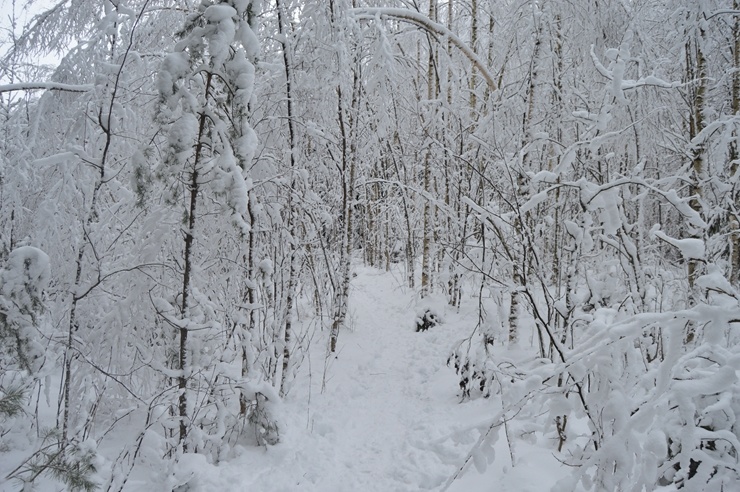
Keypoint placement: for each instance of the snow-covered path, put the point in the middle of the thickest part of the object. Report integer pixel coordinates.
(388, 418)
(371, 428)
(381, 393)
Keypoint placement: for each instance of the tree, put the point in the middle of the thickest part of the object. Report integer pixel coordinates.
(22, 282)
(205, 88)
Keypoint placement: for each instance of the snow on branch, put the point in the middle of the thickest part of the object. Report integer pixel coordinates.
(615, 74)
(427, 24)
(691, 248)
(703, 136)
(45, 86)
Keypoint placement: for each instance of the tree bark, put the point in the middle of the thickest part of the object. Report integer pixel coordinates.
(735, 219)
(432, 92)
(291, 218)
(697, 73)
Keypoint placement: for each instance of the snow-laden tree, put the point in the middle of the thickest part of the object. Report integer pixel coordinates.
(23, 279)
(206, 86)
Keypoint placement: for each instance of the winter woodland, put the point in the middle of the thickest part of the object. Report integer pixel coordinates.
(203, 204)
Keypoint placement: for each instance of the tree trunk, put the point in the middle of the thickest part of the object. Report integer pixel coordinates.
(251, 299)
(432, 92)
(193, 188)
(522, 221)
(696, 71)
(735, 220)
(348, 131)
(104, 121)
(291, 216)
(349, 157)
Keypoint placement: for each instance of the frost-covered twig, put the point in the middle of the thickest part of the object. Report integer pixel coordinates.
(46, 86)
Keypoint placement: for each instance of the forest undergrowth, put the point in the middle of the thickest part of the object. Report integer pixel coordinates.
(200, 202)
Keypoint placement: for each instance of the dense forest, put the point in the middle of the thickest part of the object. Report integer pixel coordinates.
(186, 191)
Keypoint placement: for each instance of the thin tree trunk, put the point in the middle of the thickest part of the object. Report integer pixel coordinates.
(251, 299)
(348, 132)
(522, 222)
(473, 42)
(432, 92)
(349, 157)
(735, 220)
(104, 121)
(292, 229)
(193, 186)
(696, 68)
(410, 253)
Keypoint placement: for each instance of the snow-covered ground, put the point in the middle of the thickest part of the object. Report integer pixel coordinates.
(389, 416)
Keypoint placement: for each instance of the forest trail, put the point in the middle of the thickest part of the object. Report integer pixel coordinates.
(389, 418)
(382, 387)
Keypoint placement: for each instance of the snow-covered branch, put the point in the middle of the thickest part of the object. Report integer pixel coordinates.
(427, 24)
(628, 84)
(46, 86)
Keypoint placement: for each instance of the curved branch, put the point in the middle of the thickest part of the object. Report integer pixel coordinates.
(429, 25)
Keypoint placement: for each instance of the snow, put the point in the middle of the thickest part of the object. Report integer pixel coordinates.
(383, 415)
(691, 248)
(231, 182)
(266, 266)
(27, 269)
(534, 202)
(616, 71)
(47, 86)
(545, 176)
(408, 15)
(639, 353)
(218, 13)
(718, 382)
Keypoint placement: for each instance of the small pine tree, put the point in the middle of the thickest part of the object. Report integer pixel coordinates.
(73, 464)
(22, 282)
